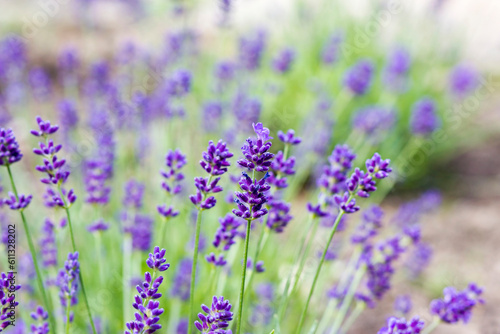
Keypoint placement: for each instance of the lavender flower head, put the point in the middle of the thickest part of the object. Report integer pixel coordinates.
(374, 121)
(359, 77)
(40, 316)
(283, 61)
(148, 311)
(396, 69)
(333, 178)
(217, 317)
(17, 203)
(250, 201)
(98, 226)
(134, 193)
(289, 137)
(9, 148)
(215, 163)
(175, 160)
(330, 53)
(370, 223)
(182, 279)
(424, 119)
(402, 326)
(67, 280)
(403, 304)
(48, 247)
(251, 49)
(457, 305)
(255, 151)
(463, 80)
(40, 84)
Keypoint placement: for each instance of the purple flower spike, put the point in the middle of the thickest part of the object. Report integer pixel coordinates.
(215, 158)
(457, 305)
(380, 168)
(359, 77)
(463, 80)
(148, 308)
(403, 304)
(67, 280)
(40, 316)
(45, 128)
(370, 223)
(424, 119)
(251, 49)
(175, 160)
(216, 261)
(283, 61)
(251, 200)
(9, 148)
(216, 318)
(316, 210)
(17, 204)
(48, 247)
(401, 326)
(334, 175)
(346, 203)
(256, 150)
(289, 137)
(98, 226)
(156, 260)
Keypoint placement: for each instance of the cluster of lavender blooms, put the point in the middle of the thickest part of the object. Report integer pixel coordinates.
(175, 160)
(146, 303)
(217, 317)
(225, 237)
(139, 225)
(40, 316)
(8, 302)
(215, 163)
(54, 168)
(67, 280)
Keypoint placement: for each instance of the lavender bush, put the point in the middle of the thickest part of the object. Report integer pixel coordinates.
(287, 213)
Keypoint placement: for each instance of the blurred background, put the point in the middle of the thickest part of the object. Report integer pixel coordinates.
(454, 49)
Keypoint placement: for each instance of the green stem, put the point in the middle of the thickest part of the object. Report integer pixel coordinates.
(67, 315)
(264, 235)
(33, 255)
(286, 294)
(80, 273)
(360, 307)
(193, 270)
(435, 322)
(346, 303)
(318, 270)
(98, 246)
(303, 260)
(244, 272)
(127, 259)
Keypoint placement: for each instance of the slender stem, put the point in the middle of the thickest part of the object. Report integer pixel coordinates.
(33, 255)
(286, 293)
(435, 322)
(360, 307)
(303, 260)
(163, 229)
(193, 270)
(318, 270)
(68, 301)
(98, 246)
(80, 273)
(243, 276)
(264, 235)
(346, 303)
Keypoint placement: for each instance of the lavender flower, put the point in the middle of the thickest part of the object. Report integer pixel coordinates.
(396, 69)
(141, 231)
(9, 148)
(283, 60)
(179, 84)
(251, 49)
(225, 71)
(40, 84)
(279, 215)
(280, 167)
(148, 315)
(134, 193)
(48, 246)
(68, 61)
(67, 280)
(227, 232)
(403, 304)
(334, 175)
(374, 121)
(98, 226)
(182, 278)
(19, 203)
(289, 137)
(212, 112)
(40, 316)
(182, 326)
(457, 305)
(217, 317)
(401, 326)
(215, 163)
(330, 52)
(256, 150)
(359, 77)
(68, 114)
(55, 173)
(95, 176)
(418, 260)
(7, 298)
(245, 108)
(175, 160)
(250, 202)
(424, 119)
(463, 80)
(370, 223)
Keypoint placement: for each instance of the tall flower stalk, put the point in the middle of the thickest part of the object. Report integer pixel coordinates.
(252, 197)
(360, 184)
(55, 175)
(10, 154)
(215, 163)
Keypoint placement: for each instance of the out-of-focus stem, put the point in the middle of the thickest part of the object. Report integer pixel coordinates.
(127, 257)
(360, 307)
(243, 276)
(264, 235)
(318, 270)
(193, 269)
(33, 255)
(435, 322)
